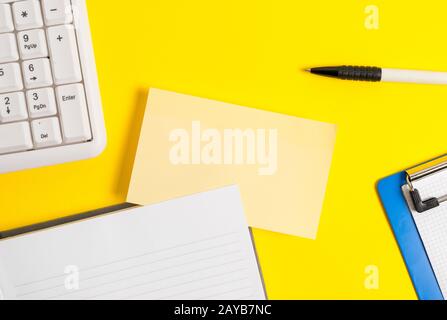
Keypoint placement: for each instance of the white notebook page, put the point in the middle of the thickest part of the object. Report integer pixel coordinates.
(432, 224)
(198, 247)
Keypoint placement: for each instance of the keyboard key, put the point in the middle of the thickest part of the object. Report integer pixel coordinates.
(32, 44)
(10, 78)
(13, 107)
(73, 113)
(64, 54)
(27, 14)
(57, 12)
(46, 132)
(6, 23)
(37, 73)
(41, 103)
(15, 137)
(8, 48)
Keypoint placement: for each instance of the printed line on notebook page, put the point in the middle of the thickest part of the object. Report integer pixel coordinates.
(228, 292)
(130, 258)
(169, 287)
(186, 292)
(179, 295)
(159, 280)
(22, 294)
(142, 275)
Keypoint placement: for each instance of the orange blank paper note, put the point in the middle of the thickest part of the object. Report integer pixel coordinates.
(281, 163)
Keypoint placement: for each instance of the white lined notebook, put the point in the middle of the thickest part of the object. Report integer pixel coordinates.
(198, 247)
(432, 224)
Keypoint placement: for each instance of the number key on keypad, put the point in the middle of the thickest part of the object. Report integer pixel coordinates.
(13, 107)
(46, 132)
(8, 48)
(6, 24)
(19, 137)
(37, 73)
(32, 44)
(41, 103)
(10, 78)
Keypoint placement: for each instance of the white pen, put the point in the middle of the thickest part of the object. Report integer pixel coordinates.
(375, 74)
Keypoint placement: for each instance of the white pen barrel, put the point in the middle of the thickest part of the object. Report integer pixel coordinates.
(413, 76)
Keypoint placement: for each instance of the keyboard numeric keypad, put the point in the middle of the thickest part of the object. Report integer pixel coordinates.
(42, 96)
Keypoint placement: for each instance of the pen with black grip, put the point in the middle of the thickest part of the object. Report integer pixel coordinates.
(375, 74)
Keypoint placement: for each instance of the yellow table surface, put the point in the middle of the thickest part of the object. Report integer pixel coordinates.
(252, 53)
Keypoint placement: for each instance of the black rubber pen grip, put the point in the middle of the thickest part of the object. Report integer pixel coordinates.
(372, 74)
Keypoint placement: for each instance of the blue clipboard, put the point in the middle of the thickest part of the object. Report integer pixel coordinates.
(408, 238)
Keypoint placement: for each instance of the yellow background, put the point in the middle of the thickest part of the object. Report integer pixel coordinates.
(252, 53)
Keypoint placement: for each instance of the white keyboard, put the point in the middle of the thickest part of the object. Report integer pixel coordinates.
(50, 107)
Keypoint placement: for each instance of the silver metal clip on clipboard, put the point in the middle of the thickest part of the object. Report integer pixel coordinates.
(422, 171)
